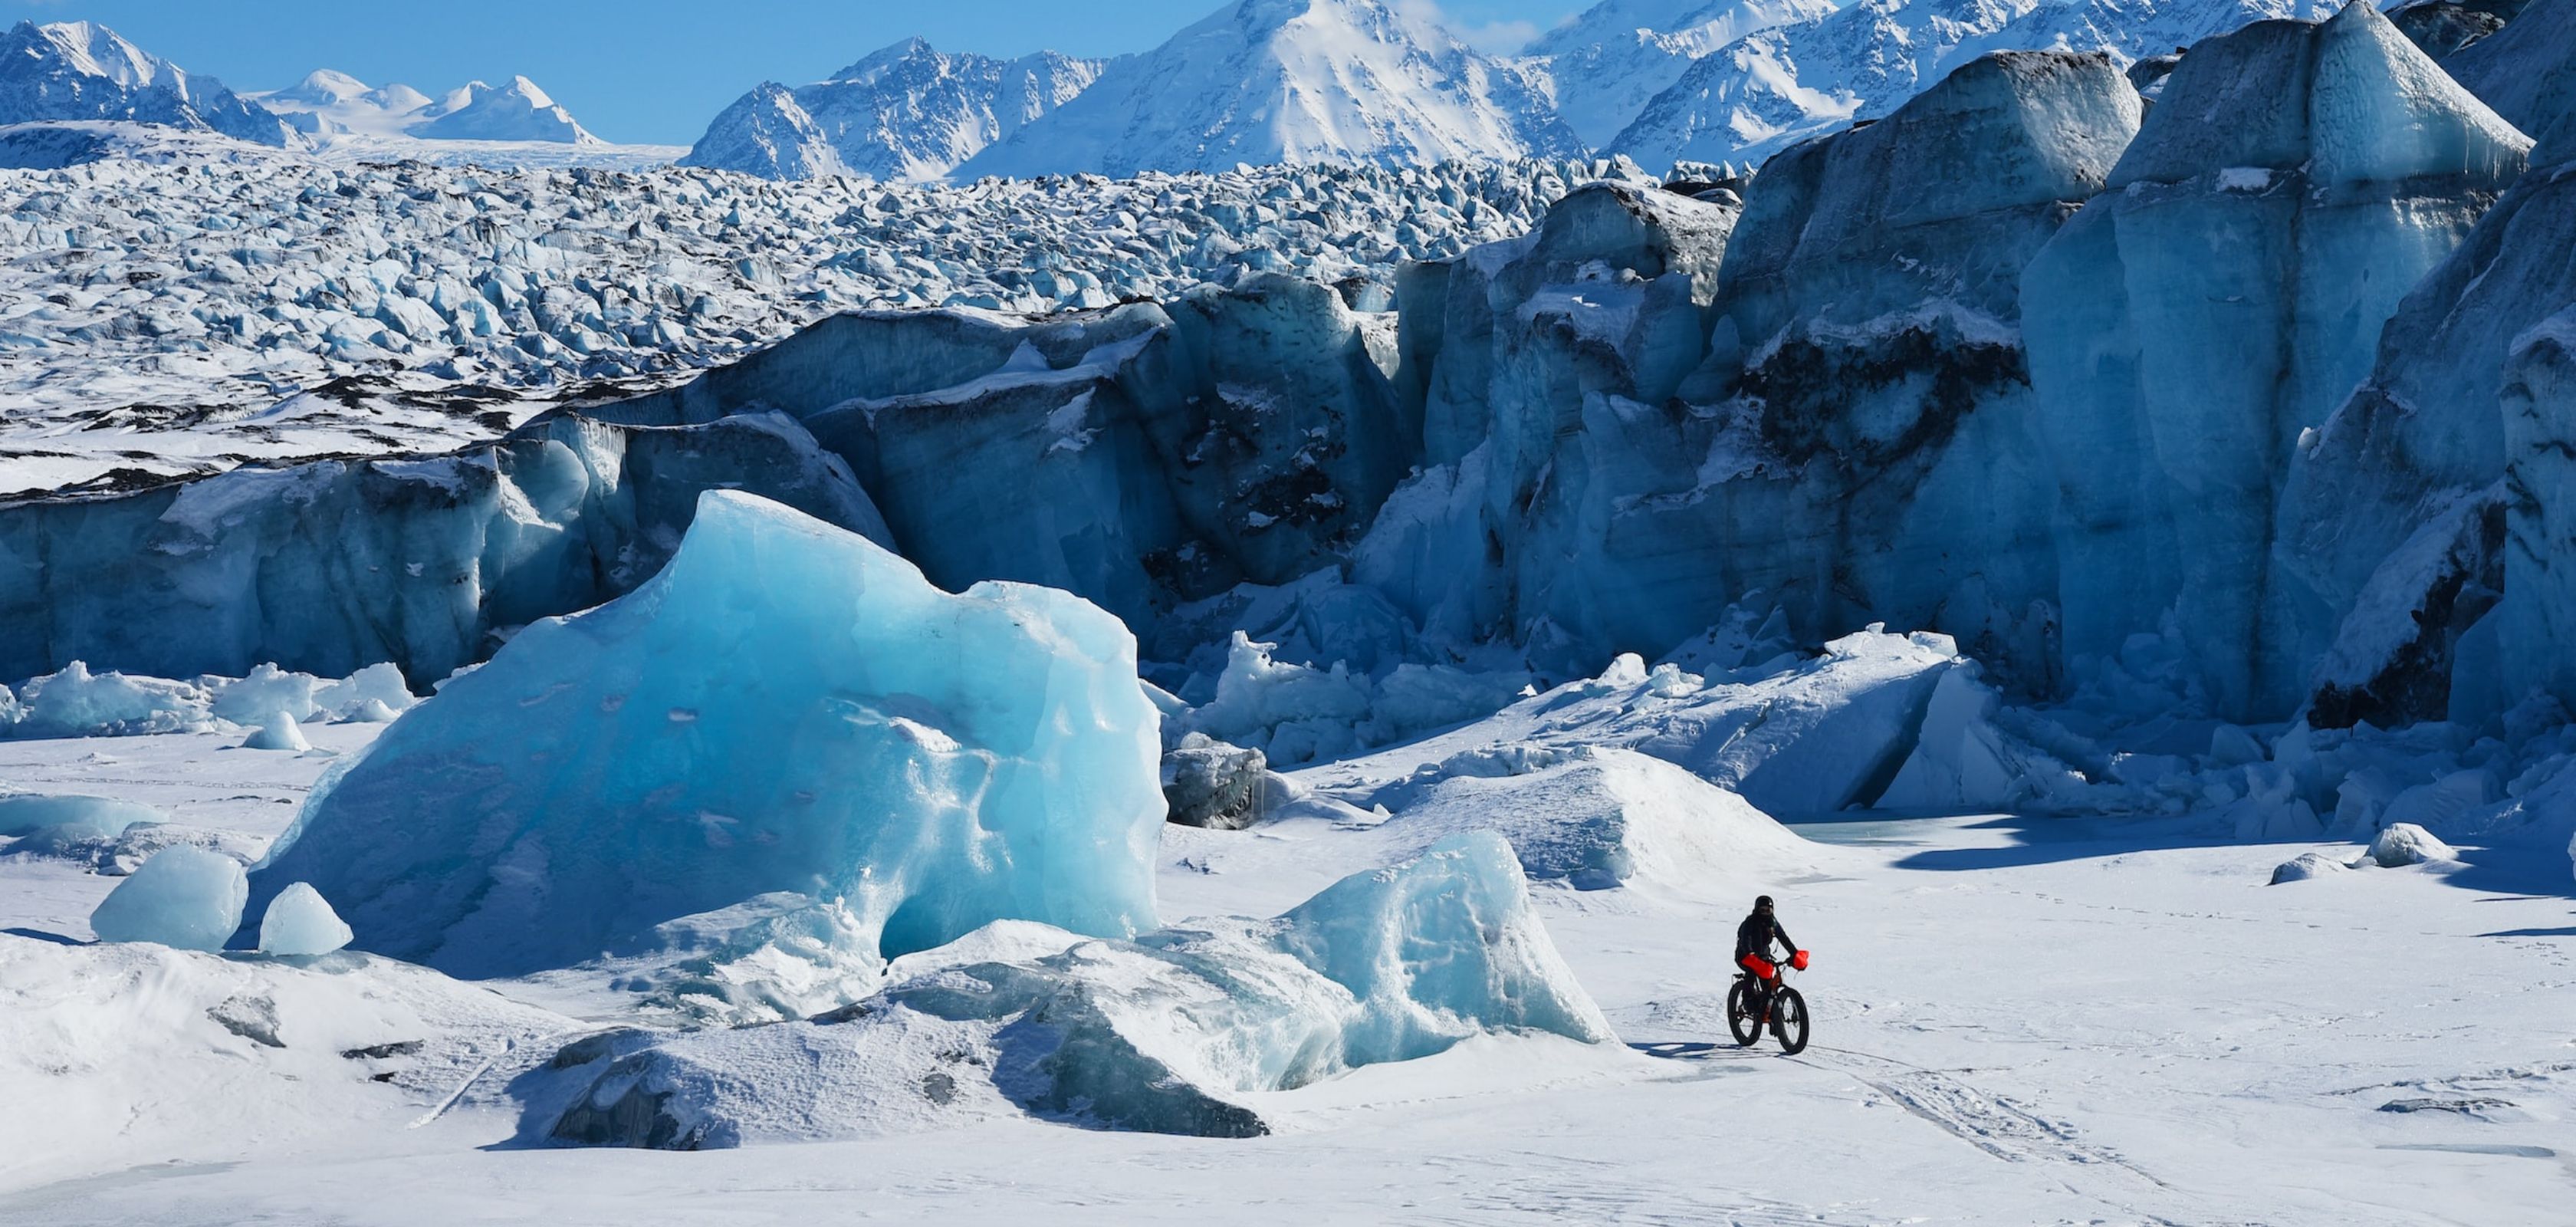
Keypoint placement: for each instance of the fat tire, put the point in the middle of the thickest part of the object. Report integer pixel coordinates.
(1747, 1032)
(1789, 1020)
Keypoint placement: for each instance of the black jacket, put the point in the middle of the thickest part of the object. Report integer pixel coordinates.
(1756, 934)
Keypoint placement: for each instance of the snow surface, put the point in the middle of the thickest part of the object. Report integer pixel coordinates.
(2064, 1086)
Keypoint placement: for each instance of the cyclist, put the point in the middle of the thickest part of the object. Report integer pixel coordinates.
(1753, 940)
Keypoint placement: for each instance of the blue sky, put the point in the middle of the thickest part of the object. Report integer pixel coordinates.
(649, 70)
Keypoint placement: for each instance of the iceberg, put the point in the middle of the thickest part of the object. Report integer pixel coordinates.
(184, 897)
(1169, 1032)
(785, 708)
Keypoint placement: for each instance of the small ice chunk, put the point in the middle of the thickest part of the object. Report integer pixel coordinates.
(266, 691)
(280, 733)
(376, 688)
(2305, 866)
(2405, 843)
(300, 921)
(184, 897)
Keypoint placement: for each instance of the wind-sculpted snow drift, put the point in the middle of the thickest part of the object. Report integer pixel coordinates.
(786, 707)
(1163, 1033)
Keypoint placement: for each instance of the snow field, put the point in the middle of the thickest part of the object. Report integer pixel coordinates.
(2026, 1020)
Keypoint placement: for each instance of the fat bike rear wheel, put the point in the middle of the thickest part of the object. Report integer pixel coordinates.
(1789, 1021)
(1739, 1018)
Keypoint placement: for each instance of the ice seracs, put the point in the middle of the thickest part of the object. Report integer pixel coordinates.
(786, 707)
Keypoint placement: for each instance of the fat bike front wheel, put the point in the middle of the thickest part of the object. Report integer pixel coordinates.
(1789, 1020)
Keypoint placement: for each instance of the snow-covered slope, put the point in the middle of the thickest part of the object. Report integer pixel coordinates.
(906, 112)
(1613, 58)
(328, 103)
(79, 70)
(518, 111)
(1296, 81)
(1753, 97)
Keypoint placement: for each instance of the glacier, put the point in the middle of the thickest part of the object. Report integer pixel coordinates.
(842, 730)
(1167, 1032)
(419, 307)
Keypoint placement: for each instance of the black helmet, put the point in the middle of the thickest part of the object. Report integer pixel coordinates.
(1760, 902)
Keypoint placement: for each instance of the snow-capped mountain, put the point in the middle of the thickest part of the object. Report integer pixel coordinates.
(1614, 57)
(1757, 94)
(906, 112)
(328, 103)
(1293, 81)
(79, 70)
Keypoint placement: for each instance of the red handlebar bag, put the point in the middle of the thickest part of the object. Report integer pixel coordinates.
(1758, 965)
(1799, 960)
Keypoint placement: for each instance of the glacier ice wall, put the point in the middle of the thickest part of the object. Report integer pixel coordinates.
(332, 566)
(2221, 299)
(1548, 368)
(786, 707)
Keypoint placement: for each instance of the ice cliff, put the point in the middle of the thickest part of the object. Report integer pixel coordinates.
(336, 565)
(2216, 303)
